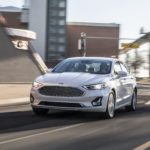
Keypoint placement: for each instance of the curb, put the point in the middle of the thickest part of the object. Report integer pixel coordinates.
(17, 83)
(14, 102)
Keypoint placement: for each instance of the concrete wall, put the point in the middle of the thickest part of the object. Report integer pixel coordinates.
(37, 23)
(15, 65)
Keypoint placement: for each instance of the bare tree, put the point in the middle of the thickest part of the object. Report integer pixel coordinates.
(137, 63)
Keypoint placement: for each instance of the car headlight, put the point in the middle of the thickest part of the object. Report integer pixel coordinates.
(95, 86)
(37, 84)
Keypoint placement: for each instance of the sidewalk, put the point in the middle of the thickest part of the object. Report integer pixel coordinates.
(13, 94)
(144, 81)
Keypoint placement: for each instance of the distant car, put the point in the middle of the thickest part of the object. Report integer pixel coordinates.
(85, 84)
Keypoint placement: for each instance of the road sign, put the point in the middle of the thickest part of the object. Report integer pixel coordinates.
(130, 45)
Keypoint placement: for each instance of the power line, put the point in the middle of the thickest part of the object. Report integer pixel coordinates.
(108, 38)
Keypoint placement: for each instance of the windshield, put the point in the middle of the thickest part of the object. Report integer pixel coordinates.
(87, 66)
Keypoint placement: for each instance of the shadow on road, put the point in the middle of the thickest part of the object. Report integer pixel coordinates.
(25, 120)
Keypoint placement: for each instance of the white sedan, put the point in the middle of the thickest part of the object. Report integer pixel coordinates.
(85, 84)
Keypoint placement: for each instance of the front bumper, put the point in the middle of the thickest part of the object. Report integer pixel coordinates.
(82, 103)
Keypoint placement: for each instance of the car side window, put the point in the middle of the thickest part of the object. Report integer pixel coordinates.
(124, 68)
(117, 67)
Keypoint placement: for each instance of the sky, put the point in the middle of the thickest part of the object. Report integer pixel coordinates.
(130, 14)
(17, 3)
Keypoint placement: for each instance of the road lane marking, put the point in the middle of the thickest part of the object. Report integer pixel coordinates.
(38, 134)
(145, 146)
(148, 103)
(141, 102)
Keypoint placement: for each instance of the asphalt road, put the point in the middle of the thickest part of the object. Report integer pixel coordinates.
(20, 129)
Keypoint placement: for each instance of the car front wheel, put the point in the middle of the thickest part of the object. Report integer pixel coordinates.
(132, 106)
(40, 111)
(110, 111)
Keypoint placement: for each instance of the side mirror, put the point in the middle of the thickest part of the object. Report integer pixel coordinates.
(122, 74)
(49, 70)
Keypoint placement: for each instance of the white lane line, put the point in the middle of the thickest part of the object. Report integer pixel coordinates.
(148, 103)
(38, 134)
(143, 147)
(143, 102)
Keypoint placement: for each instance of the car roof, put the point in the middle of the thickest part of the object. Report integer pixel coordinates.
(100, 58)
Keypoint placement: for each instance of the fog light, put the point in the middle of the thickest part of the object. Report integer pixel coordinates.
(97, 101)
(31, 99)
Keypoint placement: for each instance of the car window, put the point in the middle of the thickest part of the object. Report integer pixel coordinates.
(94, 66)
(123, 68)
(117, 67)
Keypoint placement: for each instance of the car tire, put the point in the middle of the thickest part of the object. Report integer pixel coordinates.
(39, 111)
(110, 110)
(132, 106)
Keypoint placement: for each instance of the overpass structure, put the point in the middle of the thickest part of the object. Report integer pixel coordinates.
(19, 62)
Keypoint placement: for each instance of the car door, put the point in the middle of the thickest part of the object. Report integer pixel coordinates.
(128, 84)
(119, 84)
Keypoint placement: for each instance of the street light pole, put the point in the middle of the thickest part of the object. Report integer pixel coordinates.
(82, 44)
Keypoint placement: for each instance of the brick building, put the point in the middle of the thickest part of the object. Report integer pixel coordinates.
(12, 17)
(105, 45)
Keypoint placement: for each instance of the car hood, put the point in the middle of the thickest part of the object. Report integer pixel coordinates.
(72, 79)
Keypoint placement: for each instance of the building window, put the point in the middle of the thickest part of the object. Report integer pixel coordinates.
(53, 3)
(52, 39)
(61, 48)
(62, 4)
(53, 13)
(61, 22)
(52, 47)
(61, 31)
(62, 13)
(53, 22)
(52, 30)
(61, 40)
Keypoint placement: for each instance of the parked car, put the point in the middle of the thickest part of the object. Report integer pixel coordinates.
(85, 84)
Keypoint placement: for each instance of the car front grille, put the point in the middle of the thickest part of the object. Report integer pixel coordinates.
(60, 104)
(60, 91)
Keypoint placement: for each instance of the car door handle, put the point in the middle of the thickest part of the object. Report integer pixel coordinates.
(124, 79)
